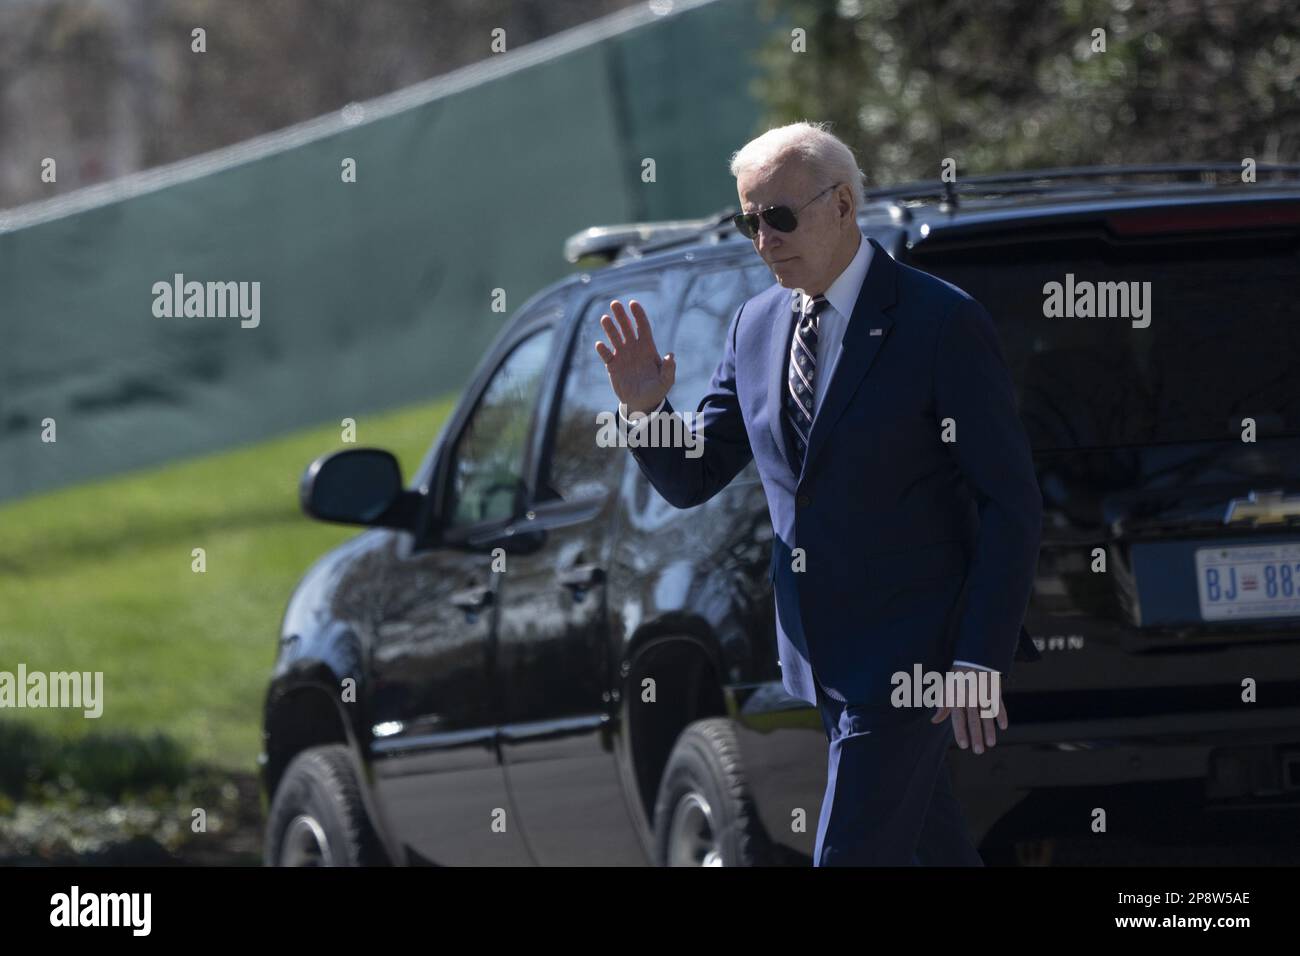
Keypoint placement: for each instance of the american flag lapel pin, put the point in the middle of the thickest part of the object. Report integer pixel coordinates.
(876, 331)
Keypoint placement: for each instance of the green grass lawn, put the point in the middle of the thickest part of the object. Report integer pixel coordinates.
(98, 577)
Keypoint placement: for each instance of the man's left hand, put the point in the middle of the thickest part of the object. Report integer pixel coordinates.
(968, 726)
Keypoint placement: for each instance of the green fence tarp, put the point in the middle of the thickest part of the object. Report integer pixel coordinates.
(373, 294)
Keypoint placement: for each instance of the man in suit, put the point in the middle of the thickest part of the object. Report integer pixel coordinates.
(878, 408)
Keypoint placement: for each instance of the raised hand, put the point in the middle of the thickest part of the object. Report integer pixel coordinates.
(639, 376)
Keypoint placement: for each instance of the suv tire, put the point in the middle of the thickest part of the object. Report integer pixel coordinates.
(317, 817)
(704, 814)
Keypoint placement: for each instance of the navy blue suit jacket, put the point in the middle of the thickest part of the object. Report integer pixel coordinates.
(915, 550)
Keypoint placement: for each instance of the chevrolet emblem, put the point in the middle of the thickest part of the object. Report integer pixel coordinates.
(1269, 507)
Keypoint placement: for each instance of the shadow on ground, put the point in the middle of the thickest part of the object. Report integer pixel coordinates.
(121, 799)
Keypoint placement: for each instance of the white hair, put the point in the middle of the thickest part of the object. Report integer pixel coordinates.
(826, 157)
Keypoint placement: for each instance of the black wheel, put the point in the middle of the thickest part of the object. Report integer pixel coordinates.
(317, 817)
(704, 815)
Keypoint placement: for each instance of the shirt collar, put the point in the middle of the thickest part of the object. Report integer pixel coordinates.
(843, 292)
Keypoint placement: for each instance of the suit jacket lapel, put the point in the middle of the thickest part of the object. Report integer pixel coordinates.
(859, 348)
(777, 362)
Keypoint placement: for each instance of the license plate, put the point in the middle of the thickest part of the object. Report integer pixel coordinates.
(1247, 582)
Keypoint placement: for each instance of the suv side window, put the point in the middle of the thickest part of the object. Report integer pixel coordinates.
(578, 467)
(487, 468)
(712, 298)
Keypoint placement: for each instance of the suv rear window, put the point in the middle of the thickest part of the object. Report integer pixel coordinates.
(1223, 341)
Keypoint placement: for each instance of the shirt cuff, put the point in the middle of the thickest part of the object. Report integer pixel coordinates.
(651, 412)
(978, 667)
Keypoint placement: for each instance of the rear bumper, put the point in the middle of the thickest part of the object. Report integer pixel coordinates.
(1046, 778)
(1145, 773)
(1252, 752)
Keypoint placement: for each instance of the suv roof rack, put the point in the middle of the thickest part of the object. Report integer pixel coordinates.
(602, 244)
(606, 243)
(1050, 180)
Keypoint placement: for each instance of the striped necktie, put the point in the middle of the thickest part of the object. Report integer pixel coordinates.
(800, 376)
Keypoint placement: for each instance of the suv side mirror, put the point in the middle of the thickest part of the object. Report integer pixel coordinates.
(358, 486)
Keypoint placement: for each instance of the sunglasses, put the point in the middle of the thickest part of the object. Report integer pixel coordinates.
(780, 218)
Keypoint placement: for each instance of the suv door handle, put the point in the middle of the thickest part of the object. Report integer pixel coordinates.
(473, 599)
(582, 576)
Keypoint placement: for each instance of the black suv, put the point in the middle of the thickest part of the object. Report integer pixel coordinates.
(530, 657)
